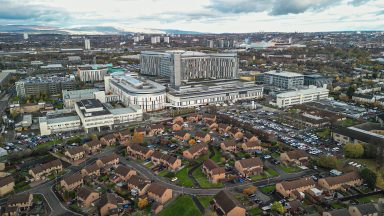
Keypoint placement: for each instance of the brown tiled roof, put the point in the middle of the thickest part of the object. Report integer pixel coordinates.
(170, 159)
(181, 133)
(43, 167)
(229, 143)
(367, 209)
(109, 158)
(157, 126)
(296, 154)
(302, 182)
(157, 189)
(226, 201)
(223, 126)
(109, 136)
(251, 162)
(140, 129)
(197, 148)
(252, 144)
(248, 135)
(6, 180)
(92, 168)
(73, 178)
(139, 148)
(122, 170)
(218, 170)
(210, 122)
(84, 193)
(210, 164)
(200, 134)
(335, 180)
(234, 130)
(110, 198)
(93, 143)
(76, 150)
(18, 198)
(138, 181)
(209, 116)
(125, 132)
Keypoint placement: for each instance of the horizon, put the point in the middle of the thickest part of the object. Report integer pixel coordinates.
(203, 16)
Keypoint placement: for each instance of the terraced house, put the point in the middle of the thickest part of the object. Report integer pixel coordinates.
(93, 146)
(294, 157)
(109, 204)
(108, 139)
(166, 160)
(213, 171)
(85, 197)
(195, 151)
(229, 145)
(108, 160)
(203, 137)
(91, 170)
(138, 183)
(72, 182)
(76, 153)
(291, 188)
(124, 173)
(249, 167)
(139, 152)
(6, 185)
(343, 181)
(252, 146)
(159, 193)
(224, 203)
(39, 172)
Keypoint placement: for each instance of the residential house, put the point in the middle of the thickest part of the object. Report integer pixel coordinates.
(142, 131)
(250, 166)
(108, 160)
(156, 129)
(6, 185)
(159, 193)
(178, 126)
(123, 135)
(236, 133)
(91, 170)
(75, 153)
(249, 137)
(108, 139)
(139, 152)
(203, 137)
(166, 160)
(223, 128)
(287, 188)
(252, 146)
(86, 197)
(182, 135)
(72, 182)
(93, 146)
(138, 183)
(337, 212)
(366, 209)
(178, 119)
(22, 201)
(11, 211)
(157, 208)
(294, 157)
(224, 203)
(124, 173)
(209, 117)
(229, 145)
(336, 182)
(109, 204)
(193, 117)
(39, 172)
(212, 125)
(213, 171)
(195, 151)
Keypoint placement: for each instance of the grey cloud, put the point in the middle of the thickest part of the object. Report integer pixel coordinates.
(16, 11)
(276, 7)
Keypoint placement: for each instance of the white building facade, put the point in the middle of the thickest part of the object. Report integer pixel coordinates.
(92, 73)
(301, 96)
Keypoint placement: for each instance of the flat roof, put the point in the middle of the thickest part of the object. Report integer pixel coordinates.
(63, 119)
(284, 73)
(302, 91)
(130, 84)
(78, 93)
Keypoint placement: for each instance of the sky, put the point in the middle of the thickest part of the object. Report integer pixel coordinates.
(215, 16)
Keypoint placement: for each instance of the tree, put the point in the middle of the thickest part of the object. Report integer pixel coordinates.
(250, 190)
(138, 138)
(93, 136)
(142, 202)
(353, 150)
(278, 207)
(351, 90)
(327, 161)
(370, 151)
(369, 177)
(192, 142)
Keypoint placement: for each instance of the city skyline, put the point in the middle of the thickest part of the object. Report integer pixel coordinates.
(210, 16)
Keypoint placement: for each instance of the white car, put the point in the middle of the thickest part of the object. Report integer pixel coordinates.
(174, 179)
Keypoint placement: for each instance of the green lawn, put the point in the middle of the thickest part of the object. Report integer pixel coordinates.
(183, 178)
(368, 199)
(275, 155)
(203, 181)
(163, 173)
(267, 189)
(149, 165)
(271, 172)
(204, 200)
(348, 122)
(47, 144)
(267, 173)
(255, 211)
(338, 205)
(183, 205)
(289, 169)
(324, 133)
(217, 156)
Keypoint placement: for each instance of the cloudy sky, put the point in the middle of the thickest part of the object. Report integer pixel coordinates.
(200, 15)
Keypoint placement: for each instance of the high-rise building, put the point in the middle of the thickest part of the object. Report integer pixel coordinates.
(87, 44)
(166, 39)
(182, 66)
(155, 39)
(35, 86)
(136, 39)
(284, 79)
(25, 35)
(92, 73)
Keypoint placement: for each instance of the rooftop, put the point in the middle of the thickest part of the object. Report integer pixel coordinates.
(284, 73)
